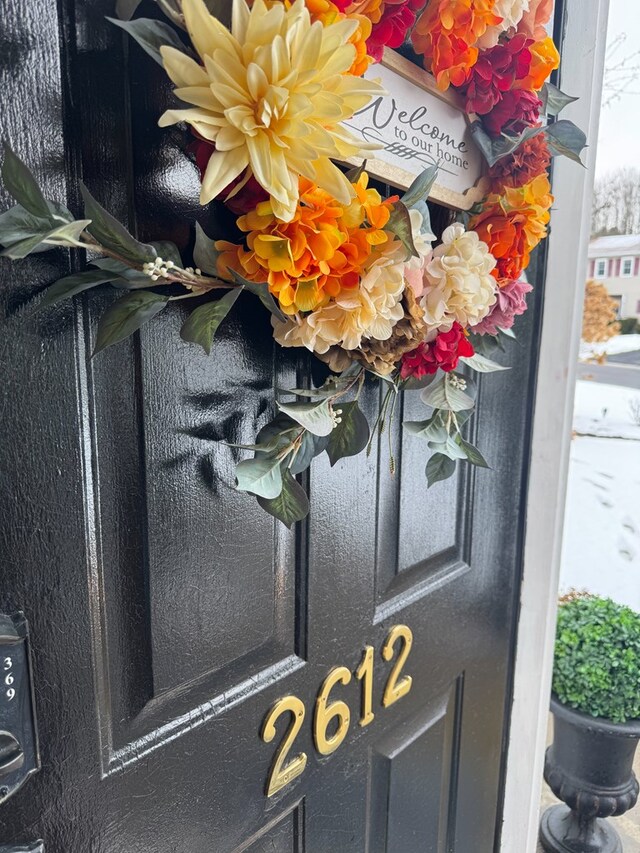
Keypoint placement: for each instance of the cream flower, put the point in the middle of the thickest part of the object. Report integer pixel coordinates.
(368, 311)
(511, 12)
(271, 95)
(458, 283)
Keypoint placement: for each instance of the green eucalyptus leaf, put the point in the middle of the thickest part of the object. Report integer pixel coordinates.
(485, 344)
(205, 254)
(61, 235)
(494, 149)
(291, 505)
(554, 100)
(126, 315)
(261, 290)
(168, 251)
(261, 476)
(472, 453)
(305, 454)
(481, 364)
(20, 182)
(463, 417)
(413, 384)
(25, 247)
(400, 224)
(433, 429)
(17, 224)
(351, 435)
(68, 234)
(71, 285)
(203, 322)
(448, 447)
(282, 426)
(112, 234)
(563, 137)
(126, 9)
(442, 395)
(332, 386)
(274, 444)
(316, 417)
(439, 467)
(127, 277)
(151, 35)
(420, 188)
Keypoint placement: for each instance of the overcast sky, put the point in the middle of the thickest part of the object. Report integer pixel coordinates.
(619, 138)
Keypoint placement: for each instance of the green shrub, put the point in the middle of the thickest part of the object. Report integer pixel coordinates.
(597, 658)
(629, 326)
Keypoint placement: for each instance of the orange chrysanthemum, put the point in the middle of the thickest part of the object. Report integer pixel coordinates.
(513, 224)
(544, 59)
(319, 253)
(446, 34)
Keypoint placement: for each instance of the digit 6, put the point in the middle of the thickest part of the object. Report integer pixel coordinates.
(326, 712)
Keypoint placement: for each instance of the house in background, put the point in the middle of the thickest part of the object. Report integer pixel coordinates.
(615, 261)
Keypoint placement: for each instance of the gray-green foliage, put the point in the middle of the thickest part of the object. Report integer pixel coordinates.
(596, 667)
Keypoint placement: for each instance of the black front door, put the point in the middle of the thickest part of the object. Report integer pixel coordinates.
(188, 651)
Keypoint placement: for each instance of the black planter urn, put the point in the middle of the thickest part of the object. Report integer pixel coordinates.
(589, 767)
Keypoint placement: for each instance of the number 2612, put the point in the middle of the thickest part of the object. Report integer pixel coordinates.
(398, 642)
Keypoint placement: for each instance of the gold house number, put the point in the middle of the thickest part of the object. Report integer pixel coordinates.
(334, 714)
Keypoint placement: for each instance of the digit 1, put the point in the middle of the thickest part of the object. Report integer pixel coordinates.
(364, 673)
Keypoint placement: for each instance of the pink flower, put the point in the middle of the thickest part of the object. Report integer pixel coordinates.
(510, 303)
(518, 110)
(442, 352)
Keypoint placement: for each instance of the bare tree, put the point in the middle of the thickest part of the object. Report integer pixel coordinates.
(616, 203)
(621, 72)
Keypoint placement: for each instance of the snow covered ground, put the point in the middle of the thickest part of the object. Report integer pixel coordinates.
(606, 410)
(601, 551)
(614, 346)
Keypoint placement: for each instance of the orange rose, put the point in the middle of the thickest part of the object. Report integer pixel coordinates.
(513, 224)
(544, 59)
(507, 241)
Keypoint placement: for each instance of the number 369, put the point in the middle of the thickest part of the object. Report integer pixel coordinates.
(397, 644)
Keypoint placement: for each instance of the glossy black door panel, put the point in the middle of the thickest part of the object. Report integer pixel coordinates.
(168, 613)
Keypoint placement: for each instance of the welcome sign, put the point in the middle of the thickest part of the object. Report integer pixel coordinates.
(419, 126)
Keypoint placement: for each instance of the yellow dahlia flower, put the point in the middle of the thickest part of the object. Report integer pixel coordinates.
(271, 95)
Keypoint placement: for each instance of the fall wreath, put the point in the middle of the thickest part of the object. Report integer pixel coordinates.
(356, 278)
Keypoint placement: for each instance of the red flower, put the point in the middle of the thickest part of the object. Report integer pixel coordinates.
(245, 199)
(516, 111)
(397, 19)
(443, 352)
(495, 72)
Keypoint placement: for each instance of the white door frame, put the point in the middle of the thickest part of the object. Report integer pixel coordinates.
(583, 52)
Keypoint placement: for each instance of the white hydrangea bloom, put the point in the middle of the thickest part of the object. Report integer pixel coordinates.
(369, 311)
(458, 283)
(511, 12)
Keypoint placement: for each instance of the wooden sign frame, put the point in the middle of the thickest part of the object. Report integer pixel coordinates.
(460, 182)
